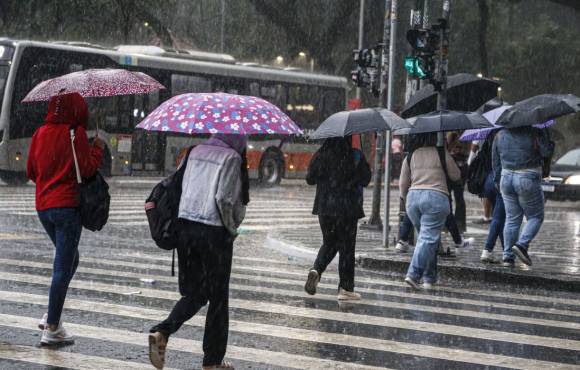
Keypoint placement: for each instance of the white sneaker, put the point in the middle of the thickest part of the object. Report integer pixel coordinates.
(402, 246)
(42, 322)
(345, 295)
(59, 336)
(465, 243)
(428, 286)
(487, 257)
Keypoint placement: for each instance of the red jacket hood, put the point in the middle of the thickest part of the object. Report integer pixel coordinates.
(68, 108)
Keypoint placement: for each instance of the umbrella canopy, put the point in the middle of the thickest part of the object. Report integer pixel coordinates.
(465, 92)
(444, 121)
(540, 108)
(492, 116)
(491, 105)
(93, 83)
(211, 113)
(357, 122)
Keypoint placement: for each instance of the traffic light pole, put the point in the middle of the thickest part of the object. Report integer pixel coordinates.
(443, 57)
(390, 95)
(375, 221)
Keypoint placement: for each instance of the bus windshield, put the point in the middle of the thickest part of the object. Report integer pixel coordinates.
(4, 68)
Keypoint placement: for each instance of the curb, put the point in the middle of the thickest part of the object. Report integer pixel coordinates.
(474, 273)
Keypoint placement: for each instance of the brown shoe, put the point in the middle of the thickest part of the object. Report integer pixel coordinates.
(223, 365)
(157, 345)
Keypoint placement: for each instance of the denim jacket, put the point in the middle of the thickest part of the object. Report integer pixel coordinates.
(519, 149)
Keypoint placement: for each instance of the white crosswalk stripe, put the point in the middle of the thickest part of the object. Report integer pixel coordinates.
(273, 323)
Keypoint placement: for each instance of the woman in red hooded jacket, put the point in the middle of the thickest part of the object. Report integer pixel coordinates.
(51, 166)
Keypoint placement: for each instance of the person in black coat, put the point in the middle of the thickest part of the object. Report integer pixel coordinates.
(339, 173)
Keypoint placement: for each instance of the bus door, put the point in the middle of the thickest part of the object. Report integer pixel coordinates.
(148, 148)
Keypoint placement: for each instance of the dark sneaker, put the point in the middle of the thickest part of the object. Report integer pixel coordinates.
(412, 283)
(482, 221)
(522, 254)
(508, 263)
(312, 282)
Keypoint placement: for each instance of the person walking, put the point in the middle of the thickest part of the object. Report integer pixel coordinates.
(339, 173)
(423, 185)
(458, 151)
(518, 157)
(212, 207)
(51, 167)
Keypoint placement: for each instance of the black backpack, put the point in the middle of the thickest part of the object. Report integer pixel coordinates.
(162, 207)
(479, 169)
(94, 196)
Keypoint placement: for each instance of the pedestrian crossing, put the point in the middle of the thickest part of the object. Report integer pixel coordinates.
(275, 325)
(122, 287)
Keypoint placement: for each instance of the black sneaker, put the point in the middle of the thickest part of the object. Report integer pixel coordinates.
(312, 282)
(508, 263)
(522, 254)
(482, 221)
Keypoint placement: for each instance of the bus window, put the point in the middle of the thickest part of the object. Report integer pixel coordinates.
(332, 102)
(303, 106)
(275, 94)
(254, 88)
(229, 85)
(181, 84)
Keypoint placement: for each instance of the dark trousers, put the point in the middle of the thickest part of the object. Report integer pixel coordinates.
(63, 226)
(405, 229)
(497, 224)
(205, 264)
(338, 236)
(457, 190)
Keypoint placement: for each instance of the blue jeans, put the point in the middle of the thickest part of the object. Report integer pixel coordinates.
(498, 216)
(523, 196)
(63, 226)
(428, 210)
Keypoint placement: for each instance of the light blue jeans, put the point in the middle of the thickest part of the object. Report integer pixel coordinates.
(428, 210)
(523, 196)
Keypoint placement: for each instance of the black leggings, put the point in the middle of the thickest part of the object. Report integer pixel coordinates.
(205, 264)
(339, 236)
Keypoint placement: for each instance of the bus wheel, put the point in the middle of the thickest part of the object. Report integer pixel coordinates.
(13, 178)
(271, 169)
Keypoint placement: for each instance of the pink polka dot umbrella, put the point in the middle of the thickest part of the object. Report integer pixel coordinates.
(94, 83)
(210, 113)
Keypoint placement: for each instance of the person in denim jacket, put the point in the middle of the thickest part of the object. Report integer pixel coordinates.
(517, 158)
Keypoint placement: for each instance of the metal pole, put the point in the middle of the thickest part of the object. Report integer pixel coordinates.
(423, 83)
(375, 219)
(390, 96)
(223, 25)
(443, 61)
(361, 19)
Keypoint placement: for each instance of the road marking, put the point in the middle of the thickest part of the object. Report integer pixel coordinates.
(295, 333)
(328, 297)
(68, 359)
(192, 346)
(319, 314)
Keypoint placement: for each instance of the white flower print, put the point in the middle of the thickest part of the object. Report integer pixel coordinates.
(213, 131)
(235, 126)
(216, 115)
(183, 125)
(226, 119)
(199, 126)
(256, 126)
(245, 120)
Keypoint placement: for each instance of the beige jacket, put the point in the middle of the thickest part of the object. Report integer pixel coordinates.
(426, 172)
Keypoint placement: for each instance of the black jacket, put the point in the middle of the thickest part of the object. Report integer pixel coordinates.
(339, 182)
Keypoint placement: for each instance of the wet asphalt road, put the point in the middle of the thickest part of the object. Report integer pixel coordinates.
(273, 323)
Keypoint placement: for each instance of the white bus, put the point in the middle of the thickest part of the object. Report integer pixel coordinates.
(306, 97)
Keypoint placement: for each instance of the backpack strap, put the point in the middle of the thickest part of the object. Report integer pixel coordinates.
(72, 143)
(441, 153)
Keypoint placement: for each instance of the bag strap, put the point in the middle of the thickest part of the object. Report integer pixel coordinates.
(173, 263)
(441, 153)
(72, 142)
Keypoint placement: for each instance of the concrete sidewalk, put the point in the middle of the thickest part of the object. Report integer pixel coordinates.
(555, 252)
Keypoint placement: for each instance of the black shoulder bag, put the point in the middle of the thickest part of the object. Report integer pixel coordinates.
(94, 195)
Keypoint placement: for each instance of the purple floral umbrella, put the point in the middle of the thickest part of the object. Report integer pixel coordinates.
(492, 116)
(210, 113)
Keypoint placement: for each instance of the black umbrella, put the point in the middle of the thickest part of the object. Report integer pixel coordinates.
(491, 105)
(465, 92)
(357, 122)
(538, 109)
(444, 121)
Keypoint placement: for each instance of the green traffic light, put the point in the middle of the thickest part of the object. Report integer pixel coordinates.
(414, 68)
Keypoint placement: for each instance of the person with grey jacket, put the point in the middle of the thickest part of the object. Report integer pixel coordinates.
(211, 209)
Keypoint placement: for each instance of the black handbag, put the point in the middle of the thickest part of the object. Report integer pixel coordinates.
(95, 199)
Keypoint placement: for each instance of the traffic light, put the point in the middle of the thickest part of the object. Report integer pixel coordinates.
(366, 73)
(416, 67)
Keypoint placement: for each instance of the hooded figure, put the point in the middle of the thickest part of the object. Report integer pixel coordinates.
(51, 166)
(211, 209)
(339, 173)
